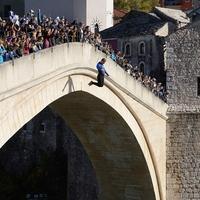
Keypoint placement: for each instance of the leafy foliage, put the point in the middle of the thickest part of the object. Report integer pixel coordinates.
(143, 5)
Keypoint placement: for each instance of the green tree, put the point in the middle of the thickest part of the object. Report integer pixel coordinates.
(143, 5)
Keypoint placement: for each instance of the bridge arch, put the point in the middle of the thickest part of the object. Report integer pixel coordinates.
(72, 81)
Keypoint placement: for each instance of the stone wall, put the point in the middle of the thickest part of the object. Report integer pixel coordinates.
(183, 127)
(183, 157)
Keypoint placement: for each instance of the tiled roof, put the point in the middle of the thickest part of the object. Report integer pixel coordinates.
(140, 23)
(133, 24)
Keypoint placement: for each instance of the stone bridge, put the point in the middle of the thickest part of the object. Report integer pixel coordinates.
(122, 126)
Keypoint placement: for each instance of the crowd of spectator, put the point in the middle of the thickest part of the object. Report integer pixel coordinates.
(22, 36)
(149, 82)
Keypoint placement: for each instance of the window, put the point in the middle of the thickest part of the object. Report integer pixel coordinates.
(151, 48)
(7, 9)
(142, 66)
(141, 48)
(128, 49)
(198, 86)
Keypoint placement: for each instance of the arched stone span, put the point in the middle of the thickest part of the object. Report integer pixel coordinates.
(54, 73)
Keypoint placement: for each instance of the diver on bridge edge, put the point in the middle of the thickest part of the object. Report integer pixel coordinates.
(101, 74)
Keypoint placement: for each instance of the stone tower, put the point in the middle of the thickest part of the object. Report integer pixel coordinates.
(89, 12)
(183, 129)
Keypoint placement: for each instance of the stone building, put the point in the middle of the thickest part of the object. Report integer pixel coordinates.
(183, 129)
(140, 36)
(86, 11)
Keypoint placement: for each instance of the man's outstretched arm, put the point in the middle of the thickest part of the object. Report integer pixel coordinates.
(107, 73)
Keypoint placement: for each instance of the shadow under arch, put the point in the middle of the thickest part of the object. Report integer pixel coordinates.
(115, 153)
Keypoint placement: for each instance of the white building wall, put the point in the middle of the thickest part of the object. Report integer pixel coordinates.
(100, 12)
(109, 13)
